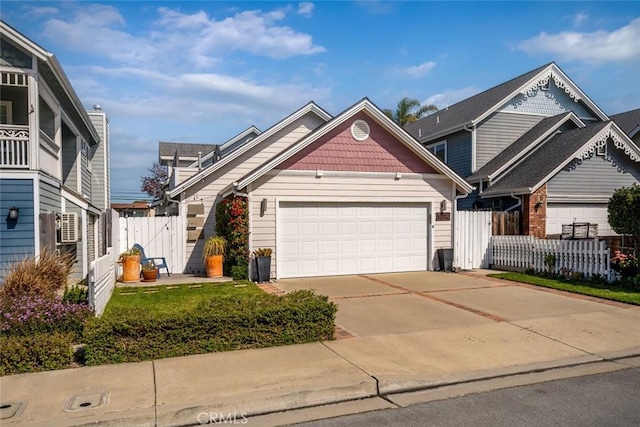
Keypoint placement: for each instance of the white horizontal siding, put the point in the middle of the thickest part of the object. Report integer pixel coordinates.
(352, 188)
(208, 191)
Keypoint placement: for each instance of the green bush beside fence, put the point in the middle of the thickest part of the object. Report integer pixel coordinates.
(221, 324)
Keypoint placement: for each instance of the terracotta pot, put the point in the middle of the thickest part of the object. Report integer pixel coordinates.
(150, 275)
(130, 268)
(214, 266)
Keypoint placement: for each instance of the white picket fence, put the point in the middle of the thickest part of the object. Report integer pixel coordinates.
(588, 257)
(102, 271)
(102, 279)
(162, 236)
(472, 239)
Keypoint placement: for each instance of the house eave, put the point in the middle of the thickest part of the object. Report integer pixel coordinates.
(365, 106)
(310, 107)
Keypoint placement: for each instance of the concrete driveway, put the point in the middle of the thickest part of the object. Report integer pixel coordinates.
(383, 304)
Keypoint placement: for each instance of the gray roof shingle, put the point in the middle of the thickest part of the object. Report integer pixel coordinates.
(457, 115)
(545, 160)
(627, 121)
(516, 148)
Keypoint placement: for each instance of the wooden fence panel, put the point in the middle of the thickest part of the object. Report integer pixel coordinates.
(506, 223)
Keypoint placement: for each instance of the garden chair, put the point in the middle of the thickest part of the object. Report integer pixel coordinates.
(160, 262)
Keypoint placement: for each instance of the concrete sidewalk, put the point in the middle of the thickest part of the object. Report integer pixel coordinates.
(246, 383)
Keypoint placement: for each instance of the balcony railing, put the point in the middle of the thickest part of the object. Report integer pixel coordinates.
(14, 146)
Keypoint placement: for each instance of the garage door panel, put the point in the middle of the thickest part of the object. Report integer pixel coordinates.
(559, 214)
(336, 238)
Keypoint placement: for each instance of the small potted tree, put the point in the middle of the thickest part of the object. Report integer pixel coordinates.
(262, 264)
(213, 254)
(130, 261)
(149, 271)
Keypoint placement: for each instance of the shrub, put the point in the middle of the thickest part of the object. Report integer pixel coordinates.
(221, 324)
(232, 223)
(34, 353)
(76, 294)
(30, 314)
(42, 276)
(240, 272)
(628, 265)
(598, 279)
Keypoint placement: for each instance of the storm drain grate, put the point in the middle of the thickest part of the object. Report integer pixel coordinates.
(86, 401)
(11, 409)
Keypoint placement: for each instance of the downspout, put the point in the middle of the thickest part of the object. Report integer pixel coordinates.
(517, 205)
(472, 129)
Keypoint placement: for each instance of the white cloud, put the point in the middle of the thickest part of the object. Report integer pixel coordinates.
(417, 71)
(179, 39)
(450, 97)
(90, 31)
(306, 9)
(41, 11)
(595, 47)
(580, 19)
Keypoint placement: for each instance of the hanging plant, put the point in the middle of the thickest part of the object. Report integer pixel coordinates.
(232, 223)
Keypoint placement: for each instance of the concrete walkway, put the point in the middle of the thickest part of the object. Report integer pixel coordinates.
(489, 336)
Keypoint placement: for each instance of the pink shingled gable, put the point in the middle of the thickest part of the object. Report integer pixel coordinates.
(339, 151)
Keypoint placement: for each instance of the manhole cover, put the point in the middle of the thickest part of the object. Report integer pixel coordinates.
(86, 401)
(11, 409)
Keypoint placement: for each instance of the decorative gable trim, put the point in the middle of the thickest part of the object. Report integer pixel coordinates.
(600, 141)
(543, 80)
(620, 141)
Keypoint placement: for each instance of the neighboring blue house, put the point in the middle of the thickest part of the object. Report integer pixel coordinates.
(54, 162)
(539, 145)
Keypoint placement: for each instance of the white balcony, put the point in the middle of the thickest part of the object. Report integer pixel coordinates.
(14, 147)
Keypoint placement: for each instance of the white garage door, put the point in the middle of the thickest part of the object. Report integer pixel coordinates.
(326, 239)
(561, 213)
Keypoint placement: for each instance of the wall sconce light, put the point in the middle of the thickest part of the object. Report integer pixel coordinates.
(443, 206)
(14, 213)
(263, 207)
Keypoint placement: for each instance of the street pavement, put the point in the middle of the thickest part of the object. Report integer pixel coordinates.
(408, 336)
(608, 399)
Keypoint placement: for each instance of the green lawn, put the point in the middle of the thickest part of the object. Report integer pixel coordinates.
(610, 292)
(170, 298)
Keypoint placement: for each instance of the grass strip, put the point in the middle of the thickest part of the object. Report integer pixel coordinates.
(609, 291)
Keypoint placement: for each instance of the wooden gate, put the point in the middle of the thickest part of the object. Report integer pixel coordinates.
(159, 236)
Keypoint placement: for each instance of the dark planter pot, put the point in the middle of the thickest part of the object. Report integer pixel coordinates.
(150, 275)
(262, 270)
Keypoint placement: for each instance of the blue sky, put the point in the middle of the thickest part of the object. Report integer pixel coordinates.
(203, 71)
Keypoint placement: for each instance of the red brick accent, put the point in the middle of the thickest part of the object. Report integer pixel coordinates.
(534, 213)
(270, 289)
(341, 333)
(339, 151)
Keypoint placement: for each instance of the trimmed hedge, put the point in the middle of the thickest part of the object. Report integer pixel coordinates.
(35, 353)
(221, 324)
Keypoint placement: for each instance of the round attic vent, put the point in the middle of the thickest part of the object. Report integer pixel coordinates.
(360, 130)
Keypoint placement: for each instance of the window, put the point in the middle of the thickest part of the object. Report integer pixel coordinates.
(440, 150)
(6, 113)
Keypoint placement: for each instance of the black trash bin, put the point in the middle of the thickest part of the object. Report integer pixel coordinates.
(445, 259)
